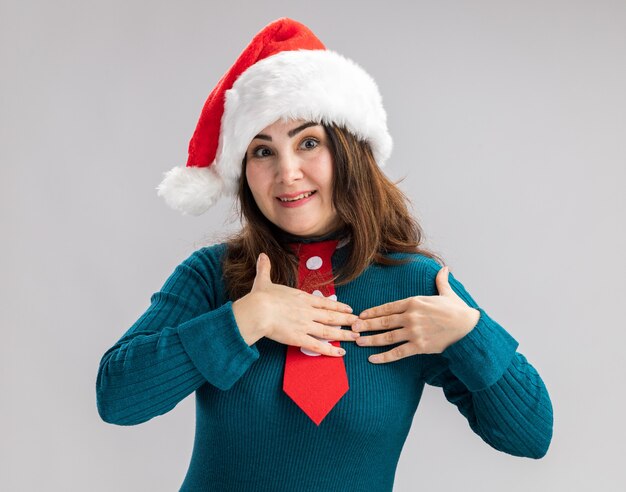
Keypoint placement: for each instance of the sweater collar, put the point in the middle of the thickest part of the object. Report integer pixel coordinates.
(343, 235)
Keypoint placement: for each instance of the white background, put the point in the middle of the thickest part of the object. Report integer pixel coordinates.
(509, 124)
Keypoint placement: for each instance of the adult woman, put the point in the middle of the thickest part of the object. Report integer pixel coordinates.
(254, 326)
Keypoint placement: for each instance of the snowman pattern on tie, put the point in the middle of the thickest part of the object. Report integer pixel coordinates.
(314, 263)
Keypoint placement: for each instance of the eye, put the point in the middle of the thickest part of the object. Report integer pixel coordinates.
(258, 152)
(312, 141)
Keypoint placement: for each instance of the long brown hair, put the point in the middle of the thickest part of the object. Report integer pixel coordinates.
(373, 210)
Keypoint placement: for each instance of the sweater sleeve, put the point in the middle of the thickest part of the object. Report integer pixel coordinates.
(182, 341)
(499, 392)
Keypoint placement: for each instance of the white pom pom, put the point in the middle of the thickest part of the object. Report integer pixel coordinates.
(189, 189)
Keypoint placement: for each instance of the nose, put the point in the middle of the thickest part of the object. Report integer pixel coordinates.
(289, 169)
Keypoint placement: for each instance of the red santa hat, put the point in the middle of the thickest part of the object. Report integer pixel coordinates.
(284, 73)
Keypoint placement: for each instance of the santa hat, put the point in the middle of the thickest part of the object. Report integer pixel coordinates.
(284, 73)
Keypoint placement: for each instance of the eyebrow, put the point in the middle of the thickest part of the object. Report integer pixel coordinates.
(291, 133)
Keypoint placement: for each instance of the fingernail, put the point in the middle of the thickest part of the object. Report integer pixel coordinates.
(341, 351)
(357, 325)
(348, 309)
(356, 335)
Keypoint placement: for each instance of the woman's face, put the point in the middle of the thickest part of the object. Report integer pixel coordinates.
(290, 173)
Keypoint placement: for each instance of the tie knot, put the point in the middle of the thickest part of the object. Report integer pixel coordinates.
(315, 271)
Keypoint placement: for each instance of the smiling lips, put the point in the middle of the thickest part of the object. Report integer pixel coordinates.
(295, 199)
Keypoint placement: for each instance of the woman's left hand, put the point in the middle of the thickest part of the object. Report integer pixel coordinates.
(428, 324)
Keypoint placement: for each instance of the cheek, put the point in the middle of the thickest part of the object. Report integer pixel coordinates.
(326, 177)
(249, 176)
(254, 178)
(259, 183)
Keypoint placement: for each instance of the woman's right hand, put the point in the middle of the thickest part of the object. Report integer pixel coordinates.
(291, 316)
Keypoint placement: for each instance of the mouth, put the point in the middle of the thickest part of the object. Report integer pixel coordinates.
(294, 198)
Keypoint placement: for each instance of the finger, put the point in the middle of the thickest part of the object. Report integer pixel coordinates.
(326, 332)
(326, 303)
(397, 353)
(322, 347)
(443, 283)
(263, 268)
(380, 323)
(387, 338)
(385, 309)
(333, 318)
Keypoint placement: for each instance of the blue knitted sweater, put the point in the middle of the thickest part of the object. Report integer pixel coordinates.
(251, 436)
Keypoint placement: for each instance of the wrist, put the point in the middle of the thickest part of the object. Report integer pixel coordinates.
(248, 320)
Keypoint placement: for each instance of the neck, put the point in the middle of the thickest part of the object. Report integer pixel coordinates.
(287, 237)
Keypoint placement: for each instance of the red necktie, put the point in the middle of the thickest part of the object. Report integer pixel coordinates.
(315, 382)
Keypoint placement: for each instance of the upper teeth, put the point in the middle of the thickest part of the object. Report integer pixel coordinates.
(299, 197)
